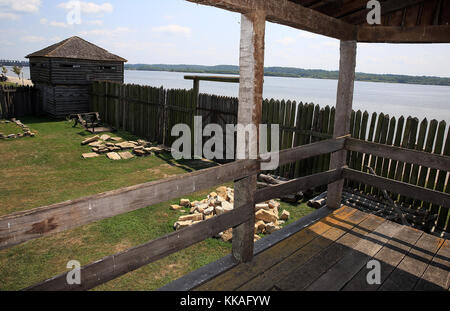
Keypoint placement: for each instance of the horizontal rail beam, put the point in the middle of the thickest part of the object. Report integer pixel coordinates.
(23, 226)
(113, 266)
(213, 78)
(425, 159)
(411, 191)
(290, 14)
(393, 34)
(298, 184)
(310, 150)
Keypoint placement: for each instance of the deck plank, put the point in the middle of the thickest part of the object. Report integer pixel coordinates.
(389, 257)
(437, 274)
(306, 274)
(337, 228)
(332, 253)
(239, 275)
(413, 265)
(346, 268)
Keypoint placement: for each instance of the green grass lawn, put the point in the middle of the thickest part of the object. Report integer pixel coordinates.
(48, 168)
(9, 128)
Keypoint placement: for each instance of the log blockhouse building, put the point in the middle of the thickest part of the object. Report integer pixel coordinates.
(64, 71)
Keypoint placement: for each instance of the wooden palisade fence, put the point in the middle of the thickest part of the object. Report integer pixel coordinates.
(16, 102)
(151, 113)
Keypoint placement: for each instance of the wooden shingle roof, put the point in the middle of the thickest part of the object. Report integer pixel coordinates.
(76, 48)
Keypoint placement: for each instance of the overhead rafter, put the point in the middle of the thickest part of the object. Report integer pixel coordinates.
(290, 14)
(359, 17)
(417, 34)
(338, 9)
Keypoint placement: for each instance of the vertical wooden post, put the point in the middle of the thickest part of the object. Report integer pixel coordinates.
(196, 89)
(343, 113)
(251, 63)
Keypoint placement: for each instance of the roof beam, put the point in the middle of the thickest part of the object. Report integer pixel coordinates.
(290, 14)
(417, 34)
(387, 7)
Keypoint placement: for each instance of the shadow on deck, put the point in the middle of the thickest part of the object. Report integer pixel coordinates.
(333, 254)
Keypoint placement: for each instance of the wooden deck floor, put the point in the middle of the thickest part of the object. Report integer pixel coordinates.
(332, 254)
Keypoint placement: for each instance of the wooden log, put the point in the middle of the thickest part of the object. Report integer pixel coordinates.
(196, 79)
(311, 150)
(416, 34)
(318, 201)
(405, 189)
(121, 263)
(343, 112)
(290, 14)
(27, 225)
(299, 184)
(435, 161)
(251, 63)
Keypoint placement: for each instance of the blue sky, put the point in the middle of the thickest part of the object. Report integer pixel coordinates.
(180, 32)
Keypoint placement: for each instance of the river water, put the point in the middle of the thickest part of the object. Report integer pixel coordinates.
(395, 99)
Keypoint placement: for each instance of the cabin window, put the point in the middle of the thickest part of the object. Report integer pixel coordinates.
(107, 67)
(33, 64)
(69, 66)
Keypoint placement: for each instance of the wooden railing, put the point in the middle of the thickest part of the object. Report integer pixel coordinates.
(23, 226)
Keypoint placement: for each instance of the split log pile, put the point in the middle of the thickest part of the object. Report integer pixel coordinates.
(267, 216)
(117, 149)
(26, 132)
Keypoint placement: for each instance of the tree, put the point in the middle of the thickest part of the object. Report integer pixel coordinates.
(4, 70)
(17, 70)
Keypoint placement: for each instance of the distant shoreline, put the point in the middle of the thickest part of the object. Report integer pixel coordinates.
(26, 82)
(288, 72)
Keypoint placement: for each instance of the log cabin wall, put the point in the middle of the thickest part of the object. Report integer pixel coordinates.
(40, 70)
(65, 83)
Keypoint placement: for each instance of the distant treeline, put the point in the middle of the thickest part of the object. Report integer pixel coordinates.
(293, 73)
(5, 62)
